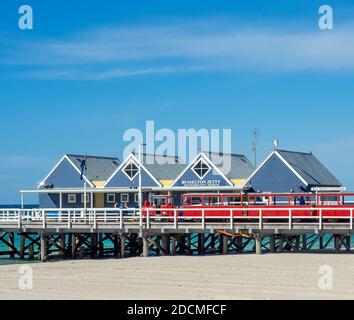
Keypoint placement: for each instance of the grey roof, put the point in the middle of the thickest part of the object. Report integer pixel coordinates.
(240, 167)
(310, 168)
(98, 168)
(163, 167)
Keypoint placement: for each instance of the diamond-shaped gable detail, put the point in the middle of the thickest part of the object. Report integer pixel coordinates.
(131, 170)
(201, 169)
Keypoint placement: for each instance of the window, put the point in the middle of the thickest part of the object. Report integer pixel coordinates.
(196, 201)
(124, 197)
(111, 198)
(87, 198)
(201, 169)
(72, 198)
(136, 197)
(131, 170)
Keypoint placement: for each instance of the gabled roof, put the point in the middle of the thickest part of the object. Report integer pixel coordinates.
(98, 168)
(309, 168)
(130, 158)
(305, 166)
(241, 167)
(162, 167)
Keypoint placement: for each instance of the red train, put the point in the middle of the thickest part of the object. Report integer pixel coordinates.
(225, 205)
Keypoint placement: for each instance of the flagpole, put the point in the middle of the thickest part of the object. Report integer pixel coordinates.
(85, 185)
(140, 189)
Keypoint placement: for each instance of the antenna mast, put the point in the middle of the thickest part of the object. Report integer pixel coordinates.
(254, 145)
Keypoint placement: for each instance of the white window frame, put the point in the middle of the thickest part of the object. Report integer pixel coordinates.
(87, 198)
(136, 197)
(72, 198)
(121, 197)
(131, 178)
(111, 195)
(197, 174)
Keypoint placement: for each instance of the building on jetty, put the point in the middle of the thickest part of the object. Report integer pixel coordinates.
(288, 171)
(110, 181)
(65, 226)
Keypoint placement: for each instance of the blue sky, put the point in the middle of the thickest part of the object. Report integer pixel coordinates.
(89, 70)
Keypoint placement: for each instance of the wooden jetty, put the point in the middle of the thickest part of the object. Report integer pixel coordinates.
(97, 233)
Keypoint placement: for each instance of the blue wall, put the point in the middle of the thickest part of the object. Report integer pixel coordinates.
(53, 201)
(65, 176)
(130, 204)
(275, 176)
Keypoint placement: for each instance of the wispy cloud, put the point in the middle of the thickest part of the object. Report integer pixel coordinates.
(115, 52)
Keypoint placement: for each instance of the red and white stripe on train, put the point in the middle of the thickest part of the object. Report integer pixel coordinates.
(277, 204)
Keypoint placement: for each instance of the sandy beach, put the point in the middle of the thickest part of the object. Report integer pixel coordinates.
(279, 276)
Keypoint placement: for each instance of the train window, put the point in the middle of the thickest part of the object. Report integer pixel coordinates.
(170, 201)
(196, 201)
(206, 201)
(332, 200)
(252, 200)
(186, 201)
(214, 201)
(160, 202)
(232, 201)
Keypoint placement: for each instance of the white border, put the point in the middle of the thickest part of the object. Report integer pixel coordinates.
(111, 194)
(124, 194)
(209, 169)
(137, 166)
(75, 197)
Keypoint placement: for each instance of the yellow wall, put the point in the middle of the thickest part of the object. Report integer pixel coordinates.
(166, 183)
(99, 183)
(238, 182)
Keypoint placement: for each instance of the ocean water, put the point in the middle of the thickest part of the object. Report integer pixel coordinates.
(18, 206)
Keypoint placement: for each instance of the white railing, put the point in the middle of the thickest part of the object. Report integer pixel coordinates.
(173, 217)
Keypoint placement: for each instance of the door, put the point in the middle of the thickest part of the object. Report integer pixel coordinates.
(99, 200)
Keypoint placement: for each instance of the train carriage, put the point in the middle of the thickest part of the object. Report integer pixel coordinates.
(301, 206)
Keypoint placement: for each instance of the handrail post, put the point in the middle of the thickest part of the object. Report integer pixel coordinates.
(203, 219)
(43, 216)
(175, 219)
(94, 219)
(320, 220)
(148, 219)
(231, 220)
(140, 218)
(69, 219)
(290, 219)
(19, 218)
(260, 219)
(121, 218)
